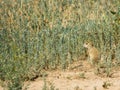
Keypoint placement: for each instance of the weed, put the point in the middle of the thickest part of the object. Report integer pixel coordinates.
(39, 34)
(48, 86)
(106, 85)
(82, 75)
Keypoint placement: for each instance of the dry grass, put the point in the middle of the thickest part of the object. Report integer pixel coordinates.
(39, 35)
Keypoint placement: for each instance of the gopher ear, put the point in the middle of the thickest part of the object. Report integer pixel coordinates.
(92, 44)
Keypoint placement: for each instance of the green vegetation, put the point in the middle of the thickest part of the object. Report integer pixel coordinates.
(49, 34)
(106, 84)
(48, 86)
(82, 75)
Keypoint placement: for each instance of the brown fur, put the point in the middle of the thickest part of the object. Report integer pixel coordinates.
(93, 53)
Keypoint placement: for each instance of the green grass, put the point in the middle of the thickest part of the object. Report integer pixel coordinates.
(37, 35)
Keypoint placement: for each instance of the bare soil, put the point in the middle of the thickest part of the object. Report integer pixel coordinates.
(79, 76)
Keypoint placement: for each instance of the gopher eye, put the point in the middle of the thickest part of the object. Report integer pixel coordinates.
(86, 43)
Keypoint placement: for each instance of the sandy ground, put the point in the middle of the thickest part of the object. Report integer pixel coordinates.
(65, 83)
(79, 76)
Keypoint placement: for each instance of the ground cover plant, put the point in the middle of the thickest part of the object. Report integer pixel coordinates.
(37, 35)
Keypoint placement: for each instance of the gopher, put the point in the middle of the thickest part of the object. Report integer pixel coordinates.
(93, 52)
